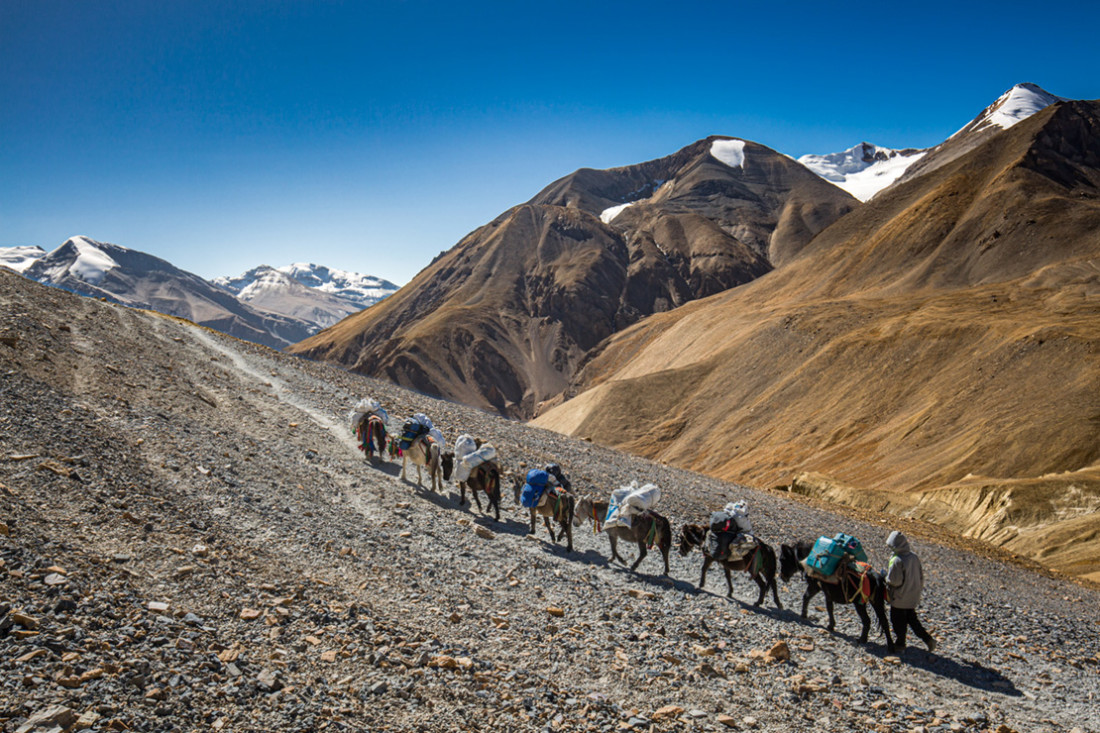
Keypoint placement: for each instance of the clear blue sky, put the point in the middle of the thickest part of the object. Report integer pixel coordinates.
(372, 135)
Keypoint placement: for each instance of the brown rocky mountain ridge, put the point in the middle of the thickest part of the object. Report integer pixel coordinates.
(503, 319)
(936, 348)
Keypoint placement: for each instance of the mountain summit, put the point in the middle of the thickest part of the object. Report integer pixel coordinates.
(503, 319)
(863, 170)
(309, 292)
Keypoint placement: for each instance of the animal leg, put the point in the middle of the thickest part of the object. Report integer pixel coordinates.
(703, 576)
(880, 613)
(861, 609)
(549, 527)
(642, 552)
(829, 608)
(477, 500)
(775, 591)
(404, 463)
(664, 552)
(532, 522)
(462, 492)
(569, 534)
(615, 548)
(729, 581)
(763, 584)
(810, 592)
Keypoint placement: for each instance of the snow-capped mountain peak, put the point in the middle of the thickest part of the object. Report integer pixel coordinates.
(1015, 105)
(863, 170)
(362, 288)
(20, 258)
(81, 257)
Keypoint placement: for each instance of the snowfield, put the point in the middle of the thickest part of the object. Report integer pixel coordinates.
(730, 152)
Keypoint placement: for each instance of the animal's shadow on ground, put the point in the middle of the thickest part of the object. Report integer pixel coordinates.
(967, 672)
(391, 468)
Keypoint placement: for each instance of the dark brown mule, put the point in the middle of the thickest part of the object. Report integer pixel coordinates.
(647, 529)
(760, 563)
(845, 591)
(372, 436)
(485, 477)
(559, 506)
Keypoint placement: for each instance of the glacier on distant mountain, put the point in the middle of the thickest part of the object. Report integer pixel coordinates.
(20, 258)
(863, 170)
(365, 289)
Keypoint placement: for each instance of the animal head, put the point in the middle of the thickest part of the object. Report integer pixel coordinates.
(584, 511)
(691, 535)
(447, 462)
(517, 484)
(788, 562)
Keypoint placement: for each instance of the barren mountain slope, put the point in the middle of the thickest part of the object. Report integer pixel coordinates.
(941, 340)
(502, 320)
(189, 540)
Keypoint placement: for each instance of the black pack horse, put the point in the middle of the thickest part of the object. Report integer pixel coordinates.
(759, 563)
(847, 590)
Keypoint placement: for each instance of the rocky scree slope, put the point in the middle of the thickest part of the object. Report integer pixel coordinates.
(935, 348)
(502, 320)
(188, 539)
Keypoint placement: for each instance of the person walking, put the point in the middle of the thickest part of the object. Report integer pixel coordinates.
(904, 583)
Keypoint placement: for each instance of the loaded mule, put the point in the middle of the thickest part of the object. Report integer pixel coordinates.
(857, 589)
(483, 477)
(759, 563)
(557, 504)
(371, 432)
(648, 529)
(426, 452)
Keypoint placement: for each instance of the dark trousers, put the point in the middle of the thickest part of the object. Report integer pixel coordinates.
(906, 618)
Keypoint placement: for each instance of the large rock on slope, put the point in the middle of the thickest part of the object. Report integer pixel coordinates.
(942, 338)
(503, 319)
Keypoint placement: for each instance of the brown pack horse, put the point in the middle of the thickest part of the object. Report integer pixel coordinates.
(485, 477)
(371, 432)
(647, 530)
(760, 563)
(559, 506)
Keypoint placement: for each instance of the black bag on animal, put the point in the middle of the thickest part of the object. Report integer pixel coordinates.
(723, 530)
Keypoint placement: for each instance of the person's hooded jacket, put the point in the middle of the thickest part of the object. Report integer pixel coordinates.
(904, 576)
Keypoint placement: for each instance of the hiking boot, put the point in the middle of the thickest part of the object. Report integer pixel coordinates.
(930, 643)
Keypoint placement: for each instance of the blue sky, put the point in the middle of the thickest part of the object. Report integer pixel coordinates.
(370, 136)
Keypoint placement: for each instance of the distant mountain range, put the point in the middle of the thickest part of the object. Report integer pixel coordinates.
(265, 305)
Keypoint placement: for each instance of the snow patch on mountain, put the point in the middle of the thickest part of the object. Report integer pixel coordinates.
(608, 215)
(20, 258)
(863, 170)
(730, 152)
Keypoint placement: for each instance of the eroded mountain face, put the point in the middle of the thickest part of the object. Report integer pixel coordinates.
(503, 320)
(935, 347)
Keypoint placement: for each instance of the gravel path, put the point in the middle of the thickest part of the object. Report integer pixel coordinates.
(189, 539)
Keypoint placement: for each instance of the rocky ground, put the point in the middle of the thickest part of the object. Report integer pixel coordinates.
(190, 540)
